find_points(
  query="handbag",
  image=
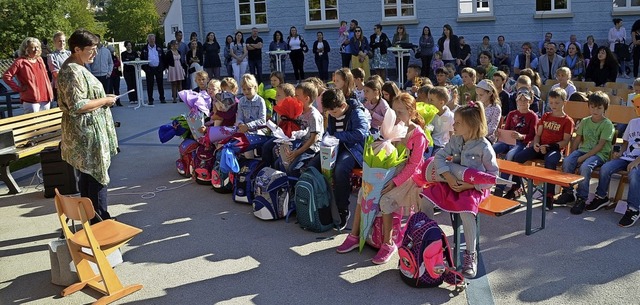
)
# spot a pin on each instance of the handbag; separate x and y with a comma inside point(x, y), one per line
point(304, 46)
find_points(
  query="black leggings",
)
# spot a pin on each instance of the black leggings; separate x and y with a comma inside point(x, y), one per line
point(636, 60)
point(426, 66)
point(297, 60)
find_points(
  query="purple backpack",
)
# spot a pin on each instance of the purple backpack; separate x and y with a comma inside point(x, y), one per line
point(203, 164)
point(425, 255)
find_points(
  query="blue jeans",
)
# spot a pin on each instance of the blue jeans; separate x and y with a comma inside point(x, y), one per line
point(614, 166)
point(510, 150)
point(345, 163)
point(255, 68)
point(570, 164)
point(551, 160)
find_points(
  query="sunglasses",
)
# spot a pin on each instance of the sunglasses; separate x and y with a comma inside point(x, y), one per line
point(358, 31)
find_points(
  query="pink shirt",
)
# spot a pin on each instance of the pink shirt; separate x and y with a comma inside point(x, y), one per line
point(416, 145)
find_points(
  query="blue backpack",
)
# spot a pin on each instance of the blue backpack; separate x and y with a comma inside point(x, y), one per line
point(221, 181)
point(315, 209)
point(243, 180)
point(271, 195)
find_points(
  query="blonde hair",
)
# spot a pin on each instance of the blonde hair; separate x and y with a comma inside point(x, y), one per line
point(320, 86)
point(308, 89)
point(288, 89)
point(564, 71)
point(214, 82)
point(441, 93)
point(470, 71)
point(524, 80)
point(349, 83)
point(202, 74)
point(249, 80)
point(472, 114)
point(22, 51)
point(230, 83)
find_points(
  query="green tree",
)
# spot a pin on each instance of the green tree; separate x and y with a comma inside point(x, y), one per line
point(131, 19)
point(41, 19)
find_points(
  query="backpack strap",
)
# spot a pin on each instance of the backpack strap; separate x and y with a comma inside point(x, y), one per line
point(451, 276)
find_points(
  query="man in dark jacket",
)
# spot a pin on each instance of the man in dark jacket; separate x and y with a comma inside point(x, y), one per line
point(154, 70)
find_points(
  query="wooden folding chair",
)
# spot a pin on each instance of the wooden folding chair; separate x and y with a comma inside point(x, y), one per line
point(98, 241)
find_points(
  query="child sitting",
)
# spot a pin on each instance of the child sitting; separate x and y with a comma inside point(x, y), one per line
point(454, 79)
point(553, 133)
point(488, 96)
point(525, 82)
point(375, 104)
point(389, 92)
point(467, 91)
point(442, 78)
point(358, 79)
point(563, 75)
point(413, 72)
point(498, 79)
point(224, 118)
point(202, 79)
point(590, 148)
point(252, 112)
point(628, 161)
point(343, 81)
point(443, 122)
point(509, 83)
point(347, 123)
point(311, 120)
point(403, 190)
point(481, 73)
point(522, 122)
point(456, 196)
point(283, 91)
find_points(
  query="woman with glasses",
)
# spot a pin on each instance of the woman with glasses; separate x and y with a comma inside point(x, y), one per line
point(360, 52)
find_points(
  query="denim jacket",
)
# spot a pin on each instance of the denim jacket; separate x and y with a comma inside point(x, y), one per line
point(477, 154)
point(355, 131)
point(252, 113)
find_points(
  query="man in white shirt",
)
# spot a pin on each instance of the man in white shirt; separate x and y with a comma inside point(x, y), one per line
point(154, 70)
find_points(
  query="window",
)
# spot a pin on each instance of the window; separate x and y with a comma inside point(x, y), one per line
point(626, 5)
point(174, 28)
point(394, 10)
point(554, 6)
point(475, 8)
point(322, 11)
point(251, 13)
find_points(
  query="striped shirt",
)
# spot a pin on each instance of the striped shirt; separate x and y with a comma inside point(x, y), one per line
point(341, 123)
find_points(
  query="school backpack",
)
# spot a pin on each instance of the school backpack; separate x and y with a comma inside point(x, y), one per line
point(243, 180)
point(425, 256)
point(316, 210)
point(184, 165)
point(203, 163)
point(221, 181)
point(271, 194)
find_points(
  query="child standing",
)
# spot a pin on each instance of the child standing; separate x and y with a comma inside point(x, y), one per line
point(522, 122)
point(358, 79)
point(311, 120)
point(252, 111)
point(443, 122)
point(590, 148)
point(437, 61)
point(404, 189)
point(488, 96)
point(553, 133)
point(347, 122)
point(375, 104)
point(468, 147)
point(629, 161)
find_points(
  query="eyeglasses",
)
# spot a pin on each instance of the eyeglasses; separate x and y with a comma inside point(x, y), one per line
point(358, 31)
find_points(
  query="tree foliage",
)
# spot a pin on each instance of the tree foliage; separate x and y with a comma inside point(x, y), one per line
point(41, 19)
point(131, 19)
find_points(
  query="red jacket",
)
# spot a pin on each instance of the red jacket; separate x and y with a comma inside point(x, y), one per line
point(34, 83)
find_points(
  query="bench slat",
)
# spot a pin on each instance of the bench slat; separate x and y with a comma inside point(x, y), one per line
point(44, 130)
point(22, 117)
point(34, 150)
point(497, 206)
point(27, 124)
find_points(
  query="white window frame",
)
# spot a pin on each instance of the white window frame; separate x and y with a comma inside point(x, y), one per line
point(323, 11)
point(399, 10)
point(252, 5)
point(553, 10)
point(475, 13)
point(626, 8)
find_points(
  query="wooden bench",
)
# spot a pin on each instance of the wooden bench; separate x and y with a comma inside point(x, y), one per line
point(27, 135)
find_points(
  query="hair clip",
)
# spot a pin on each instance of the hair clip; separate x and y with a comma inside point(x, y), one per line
point(472, 104)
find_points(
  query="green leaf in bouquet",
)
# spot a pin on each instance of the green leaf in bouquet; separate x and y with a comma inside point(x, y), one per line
point(427, 111)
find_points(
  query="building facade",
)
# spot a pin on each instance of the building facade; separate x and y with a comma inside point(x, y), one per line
point(517, 20)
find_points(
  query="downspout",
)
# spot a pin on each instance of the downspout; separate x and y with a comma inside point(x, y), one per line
point(200, 32)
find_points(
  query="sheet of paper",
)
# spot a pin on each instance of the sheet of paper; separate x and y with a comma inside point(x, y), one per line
point(505, 136)
point(121, 95)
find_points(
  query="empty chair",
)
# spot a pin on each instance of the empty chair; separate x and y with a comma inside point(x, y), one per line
point(98, 241)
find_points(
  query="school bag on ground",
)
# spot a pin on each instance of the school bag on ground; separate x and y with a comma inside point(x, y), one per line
point(315, 208)
point(184, 165)
point(425, 256)
point(243, 180)
point(271, 194)
point(220, 180)
point(203, 163)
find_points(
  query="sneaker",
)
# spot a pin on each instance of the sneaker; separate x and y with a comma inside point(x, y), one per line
point(350, 243)
point(384, 254)
point(498, 192)
point(470, 264)
point(629, 218)
point(514, 193)
point(344, 218)
point(597, 203)
point(566, 198)
point(578, 207)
